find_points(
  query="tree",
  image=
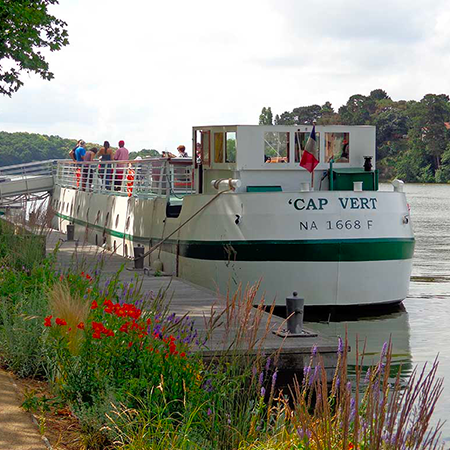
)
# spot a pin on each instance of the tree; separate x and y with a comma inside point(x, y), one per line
point(357, 110)
point(145, 153)
point(266, 116)
point(26, 27)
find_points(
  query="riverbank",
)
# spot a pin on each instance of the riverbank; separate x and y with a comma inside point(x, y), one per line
point(125, 368)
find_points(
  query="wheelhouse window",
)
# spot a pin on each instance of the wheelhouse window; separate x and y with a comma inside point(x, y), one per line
point(218, 147)
point(230, 154)
point(276, 147)
point(205, 147)
point(301, 138)
point(337, 147)
point(202, 144)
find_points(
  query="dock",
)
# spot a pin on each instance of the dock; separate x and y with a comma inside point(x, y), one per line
point(203, 306)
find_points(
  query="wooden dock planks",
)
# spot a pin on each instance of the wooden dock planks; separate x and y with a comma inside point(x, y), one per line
point(200, 304)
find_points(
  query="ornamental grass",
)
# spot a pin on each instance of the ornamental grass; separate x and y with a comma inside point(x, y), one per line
point(138, 377)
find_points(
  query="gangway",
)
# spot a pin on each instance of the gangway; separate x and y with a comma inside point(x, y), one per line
point(26, 179)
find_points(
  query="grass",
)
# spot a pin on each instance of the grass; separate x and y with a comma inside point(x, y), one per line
point(127, 369)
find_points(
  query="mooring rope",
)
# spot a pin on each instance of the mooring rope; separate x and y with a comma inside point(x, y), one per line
point(152, 249)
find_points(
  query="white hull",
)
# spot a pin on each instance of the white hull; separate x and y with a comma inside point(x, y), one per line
point(333, 248)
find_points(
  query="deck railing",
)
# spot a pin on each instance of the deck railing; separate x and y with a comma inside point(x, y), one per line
point(143, 178)
point(28, 170)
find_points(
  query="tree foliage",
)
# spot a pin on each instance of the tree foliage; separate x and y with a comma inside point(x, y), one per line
point(413, 137)
point(26, 28)
point(145, 153)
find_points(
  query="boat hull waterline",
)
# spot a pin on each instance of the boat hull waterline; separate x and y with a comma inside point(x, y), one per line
point(332, 247)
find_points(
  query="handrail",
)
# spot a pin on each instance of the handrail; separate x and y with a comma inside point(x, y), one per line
point(136, 178)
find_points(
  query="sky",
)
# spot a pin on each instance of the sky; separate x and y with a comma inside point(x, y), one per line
point(147, 71)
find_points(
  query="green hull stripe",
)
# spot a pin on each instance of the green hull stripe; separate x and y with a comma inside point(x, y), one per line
point(329, 250)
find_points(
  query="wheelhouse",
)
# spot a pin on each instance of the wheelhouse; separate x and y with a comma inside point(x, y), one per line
point(266, 158)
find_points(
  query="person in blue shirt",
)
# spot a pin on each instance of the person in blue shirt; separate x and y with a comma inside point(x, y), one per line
point(80, 151)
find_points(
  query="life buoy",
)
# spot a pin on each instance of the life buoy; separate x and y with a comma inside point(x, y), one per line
point(130, 181)
point(78, 176)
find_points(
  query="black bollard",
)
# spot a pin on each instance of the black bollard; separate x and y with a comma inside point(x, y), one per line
point(138, 257)
point(70, 232)
point(294, 312)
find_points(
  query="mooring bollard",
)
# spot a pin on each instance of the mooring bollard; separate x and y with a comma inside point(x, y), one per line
point(138, 257)
point(294, 312)
point(70, 232)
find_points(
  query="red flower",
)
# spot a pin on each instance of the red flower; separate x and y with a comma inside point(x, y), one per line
point(88, 277)
point(182, 354)
point(96, 335)
point(94, 305)
point(149, 321)
point(130, 344)
point(60, 322)
point(124, 327)
point(82, 274)
point(80, 326)
point(48, 321)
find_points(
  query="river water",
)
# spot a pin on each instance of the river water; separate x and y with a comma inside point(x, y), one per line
point(420, 329)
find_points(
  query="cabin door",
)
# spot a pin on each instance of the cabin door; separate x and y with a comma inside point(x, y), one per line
point(202, 147)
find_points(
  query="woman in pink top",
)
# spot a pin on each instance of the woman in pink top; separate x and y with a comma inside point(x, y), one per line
point(120, 155)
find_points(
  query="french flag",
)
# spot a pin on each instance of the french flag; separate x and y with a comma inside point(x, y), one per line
point(310, 157)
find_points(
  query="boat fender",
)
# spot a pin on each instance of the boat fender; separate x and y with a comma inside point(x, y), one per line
point(157, 265)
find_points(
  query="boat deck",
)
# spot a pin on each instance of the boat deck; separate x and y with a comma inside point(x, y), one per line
point(203, 305)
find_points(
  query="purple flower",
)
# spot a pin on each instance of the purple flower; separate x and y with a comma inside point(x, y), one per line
point(340, 346)
point(261, 378)
point(306, 371)
point(254, 371)
point(384, 350)
point(209, 412)
point(367, 377)
point(268, 363)
point(263, 392)
point(274, 378)
point(314, 351)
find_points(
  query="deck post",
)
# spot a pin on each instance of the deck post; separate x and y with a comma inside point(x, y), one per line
point(294, 313)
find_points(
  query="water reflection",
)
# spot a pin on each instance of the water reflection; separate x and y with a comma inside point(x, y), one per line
point(372, 332)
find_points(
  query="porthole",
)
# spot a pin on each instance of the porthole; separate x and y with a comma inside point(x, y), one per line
point(117, 220)
point(106, 220)
point(128, 223)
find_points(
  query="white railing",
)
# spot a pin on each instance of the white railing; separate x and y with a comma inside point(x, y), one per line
point(143, 178)
point(28, 170)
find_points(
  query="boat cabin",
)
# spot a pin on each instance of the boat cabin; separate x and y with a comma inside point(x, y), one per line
point(267, 158)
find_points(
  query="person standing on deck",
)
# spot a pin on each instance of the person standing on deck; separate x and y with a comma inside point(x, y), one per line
point(120, 155)
point(105, 172)
point(182, 152)
point(88, 171)
point(78, 155)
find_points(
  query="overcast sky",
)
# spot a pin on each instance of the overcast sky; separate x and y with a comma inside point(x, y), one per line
point(146, 71)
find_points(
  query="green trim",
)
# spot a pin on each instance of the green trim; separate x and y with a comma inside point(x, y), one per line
point(308, 250)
